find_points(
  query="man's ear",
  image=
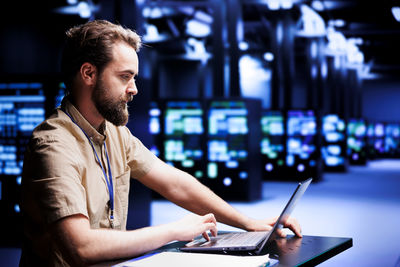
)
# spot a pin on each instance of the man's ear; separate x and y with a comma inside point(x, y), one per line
point(88, 73)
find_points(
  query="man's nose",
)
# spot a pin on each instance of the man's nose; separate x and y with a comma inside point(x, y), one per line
point(132, 89)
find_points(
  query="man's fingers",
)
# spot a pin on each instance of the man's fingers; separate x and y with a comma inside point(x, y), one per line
point(210, 224)
point(210, 218)
point(280, 232)
point(293, 225)
point(213, 229)
point(206, 236)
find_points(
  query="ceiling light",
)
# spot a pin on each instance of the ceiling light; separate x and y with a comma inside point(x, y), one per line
point(396, 13)
point(339, 23)
point(286, 4)
point(243, 46)
point(72, 2)
point(203, 16)
point(311, 23)
point(268, 56)
point(273, 4)
point(197, 29)
point(317, 5)
point(84, 10)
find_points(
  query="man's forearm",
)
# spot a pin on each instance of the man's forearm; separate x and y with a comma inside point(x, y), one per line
point(113, 244)
point(86, 246)
point(194, 196)
point(187, 192)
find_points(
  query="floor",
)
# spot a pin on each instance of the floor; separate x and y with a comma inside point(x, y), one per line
point(363, 203)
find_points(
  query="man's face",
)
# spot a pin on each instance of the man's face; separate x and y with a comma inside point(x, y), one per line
point(115, 86)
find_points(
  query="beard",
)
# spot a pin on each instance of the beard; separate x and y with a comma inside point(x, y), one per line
point(113, 110)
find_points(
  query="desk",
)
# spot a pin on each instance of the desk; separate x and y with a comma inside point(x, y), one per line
point(290, 251)
point(307, 251)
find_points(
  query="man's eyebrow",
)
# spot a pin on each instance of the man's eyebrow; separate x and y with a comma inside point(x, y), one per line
point(128, 71)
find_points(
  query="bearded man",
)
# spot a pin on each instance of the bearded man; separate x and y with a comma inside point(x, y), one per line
point(80, 160)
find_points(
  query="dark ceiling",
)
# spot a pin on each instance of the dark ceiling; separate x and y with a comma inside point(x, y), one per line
point(370, 20)
point(374, 23)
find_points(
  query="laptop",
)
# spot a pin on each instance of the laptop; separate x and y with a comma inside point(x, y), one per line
point(247, 242)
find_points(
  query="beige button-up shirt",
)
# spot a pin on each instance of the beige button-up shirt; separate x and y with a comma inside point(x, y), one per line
point(62, 177)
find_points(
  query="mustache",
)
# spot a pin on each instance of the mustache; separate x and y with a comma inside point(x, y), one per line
point(129, 98)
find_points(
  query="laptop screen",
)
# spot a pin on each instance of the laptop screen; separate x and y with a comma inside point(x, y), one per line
point(298, 193)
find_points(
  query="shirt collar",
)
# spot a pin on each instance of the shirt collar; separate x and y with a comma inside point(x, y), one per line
point(95, 136)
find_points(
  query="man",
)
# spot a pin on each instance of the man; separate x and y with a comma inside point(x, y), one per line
point(80, 160)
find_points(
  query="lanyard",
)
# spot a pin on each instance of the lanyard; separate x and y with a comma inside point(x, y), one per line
point(108, 178)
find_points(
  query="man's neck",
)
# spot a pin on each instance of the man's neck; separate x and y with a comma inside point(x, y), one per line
point(88, 111)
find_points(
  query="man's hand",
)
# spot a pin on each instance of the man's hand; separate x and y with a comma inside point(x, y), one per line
point(193, 225)
point(267, 224)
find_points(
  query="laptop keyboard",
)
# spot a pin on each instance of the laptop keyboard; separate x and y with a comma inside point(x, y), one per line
point(239, 239)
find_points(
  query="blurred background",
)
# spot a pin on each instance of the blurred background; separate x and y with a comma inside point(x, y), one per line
point(248, 96)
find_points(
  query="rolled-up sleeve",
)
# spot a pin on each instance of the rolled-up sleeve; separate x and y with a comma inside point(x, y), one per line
point(140, 159)
point(53, 181)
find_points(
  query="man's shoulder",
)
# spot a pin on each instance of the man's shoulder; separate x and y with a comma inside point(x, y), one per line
point(56, 126)
point(124, 135)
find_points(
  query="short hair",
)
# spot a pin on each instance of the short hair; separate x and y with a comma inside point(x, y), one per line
point(92, 42)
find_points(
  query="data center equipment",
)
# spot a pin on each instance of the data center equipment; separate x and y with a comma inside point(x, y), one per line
point(333, 148)
point(182, 145)
point(370, 141)
point(357, 141)
point(22, 108)
point(272, 144)
point(383, 140)
point(302, 146)
point(178, 130)
point(290, 145)
point(155, 118)
point(378, 139)
point(233, 139)
point(216, 141)
point(60, 94)
point(392, 140)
